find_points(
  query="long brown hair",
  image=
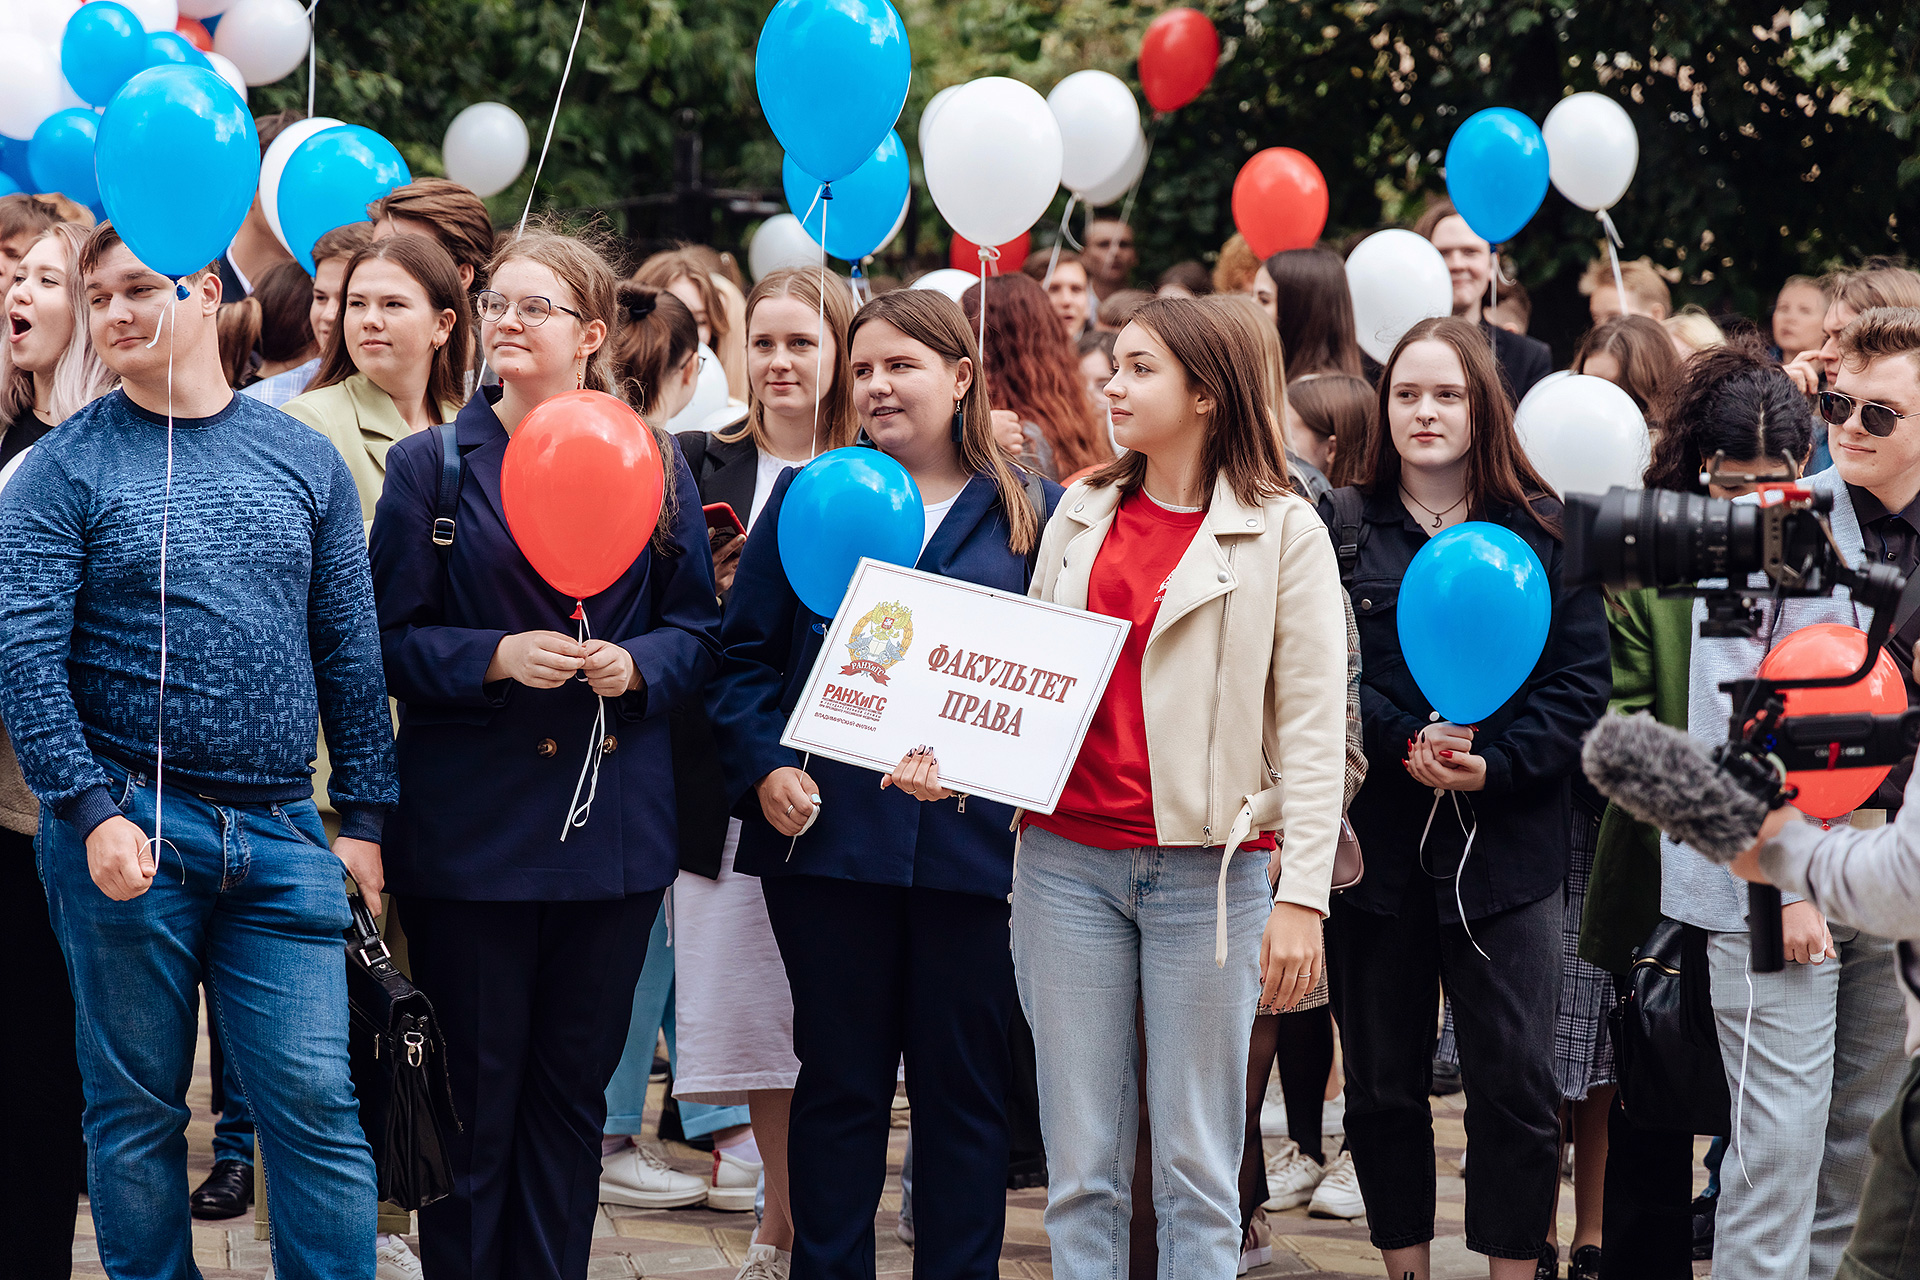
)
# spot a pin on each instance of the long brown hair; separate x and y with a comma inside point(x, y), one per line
point(77, 377)
point(829, 297)
point(1315, 312)
point(1031, 369)
point(1341, 408)
point(238, 325)
point(655, 337)
point(1221, 360)
point(1498, 471)
point(432, 269)
point(936, 320)
point(1642, 349)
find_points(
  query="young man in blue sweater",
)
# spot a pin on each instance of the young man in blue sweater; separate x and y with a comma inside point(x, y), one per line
point(267, 631)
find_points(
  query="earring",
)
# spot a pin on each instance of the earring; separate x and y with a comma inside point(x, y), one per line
point(959, 423)
point(580, 376)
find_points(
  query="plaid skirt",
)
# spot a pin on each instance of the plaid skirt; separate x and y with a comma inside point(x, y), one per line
point(1582, 1052)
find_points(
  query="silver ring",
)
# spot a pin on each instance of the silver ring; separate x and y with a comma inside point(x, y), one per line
point(789, 808)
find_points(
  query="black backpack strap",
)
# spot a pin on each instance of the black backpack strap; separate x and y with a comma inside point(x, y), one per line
point(446, 500)
point(1349, 507)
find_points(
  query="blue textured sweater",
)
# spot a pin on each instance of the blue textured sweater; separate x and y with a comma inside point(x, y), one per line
point(270, 618)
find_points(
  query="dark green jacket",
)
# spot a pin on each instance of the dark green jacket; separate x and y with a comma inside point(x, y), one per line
point(1652, 643)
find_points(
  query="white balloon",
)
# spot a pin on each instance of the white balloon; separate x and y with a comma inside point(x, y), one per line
point(231, 74)
point(486, 147)
point(33, 88)
point(155, 15)
point(993, 159)
point(709, 395)
point(274, 163)
point(266, 39)
point(1592, 149)
point(1583, 434)
point(1099, 121)
point(934, 104)
point(43, 20)
point(948, 280)
point(781, 242)
point(204, 8)
point(1397, 279)
point(1116, 187)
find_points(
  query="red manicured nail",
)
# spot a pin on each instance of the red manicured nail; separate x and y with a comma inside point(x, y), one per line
point(1447, 754)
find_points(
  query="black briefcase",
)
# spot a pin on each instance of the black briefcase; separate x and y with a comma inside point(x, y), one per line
point(399, 1064)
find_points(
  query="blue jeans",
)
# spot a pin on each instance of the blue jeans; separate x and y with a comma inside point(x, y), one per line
point(233, 1131)
point(250, 902)
point(1095, 933)
point(652, 1013)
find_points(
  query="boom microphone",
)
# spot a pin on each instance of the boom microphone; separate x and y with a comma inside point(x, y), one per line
point(1668, 778)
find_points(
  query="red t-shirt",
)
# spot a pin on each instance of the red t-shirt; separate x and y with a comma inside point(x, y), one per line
point(1108, 799)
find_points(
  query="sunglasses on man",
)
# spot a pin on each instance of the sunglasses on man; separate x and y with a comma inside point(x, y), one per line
point(1837, 408)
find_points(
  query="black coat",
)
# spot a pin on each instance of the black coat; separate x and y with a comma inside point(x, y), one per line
point(1531, 744)
point(1523, 361)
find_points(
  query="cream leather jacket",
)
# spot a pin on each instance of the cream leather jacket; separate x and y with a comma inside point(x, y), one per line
point(1244, 679)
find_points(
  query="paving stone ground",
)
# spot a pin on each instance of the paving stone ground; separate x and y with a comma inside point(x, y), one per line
point(698, 1244)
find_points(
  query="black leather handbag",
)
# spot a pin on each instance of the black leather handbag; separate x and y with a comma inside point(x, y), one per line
point(399, 1062)
point(1665, 1046)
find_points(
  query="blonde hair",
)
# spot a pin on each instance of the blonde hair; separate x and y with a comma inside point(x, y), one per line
point(1693, 326)
point(1642, 280)
point(78, 376)
point(825, 294)
point(1237, 265)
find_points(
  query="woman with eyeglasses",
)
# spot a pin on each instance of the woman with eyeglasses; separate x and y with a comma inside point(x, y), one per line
point(529, 900)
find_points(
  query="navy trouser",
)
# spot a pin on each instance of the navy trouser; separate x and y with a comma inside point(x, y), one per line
point(878, 971)
point(534, 999)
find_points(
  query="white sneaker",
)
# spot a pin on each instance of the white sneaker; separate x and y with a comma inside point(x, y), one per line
point(394, 1261)
point(1292, 1177)
point(637, 1176)
point(733, 1184)
point(1273, 1112)
point(764, 1262)
point(1333, 1116)
point(1338, 1195)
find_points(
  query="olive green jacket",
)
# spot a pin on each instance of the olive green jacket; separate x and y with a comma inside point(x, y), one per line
point(1652, 640)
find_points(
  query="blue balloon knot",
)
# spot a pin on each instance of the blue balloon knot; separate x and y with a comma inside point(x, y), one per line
point(826, 191)
point(180, 291)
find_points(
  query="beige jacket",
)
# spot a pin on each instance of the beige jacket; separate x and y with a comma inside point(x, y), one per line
point(1244, 679)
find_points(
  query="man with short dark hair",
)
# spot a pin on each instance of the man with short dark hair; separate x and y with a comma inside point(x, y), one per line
point(184, 598)
point(1109, 255)
point(442, 210)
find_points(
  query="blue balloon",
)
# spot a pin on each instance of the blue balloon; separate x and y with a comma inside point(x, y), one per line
point(329, 181)
point(845, 504)
point(1497, 172)
point(61, 154)
point(866, 203)
point(170, 46)
point(104, 47)
point(832, 76)
point(8, 186)
point(178, 161)
point(1474, 610)
point(14, 163)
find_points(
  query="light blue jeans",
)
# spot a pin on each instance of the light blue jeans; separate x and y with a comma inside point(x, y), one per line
point(653, 1013)
point(1095, 933)
point(249, 901)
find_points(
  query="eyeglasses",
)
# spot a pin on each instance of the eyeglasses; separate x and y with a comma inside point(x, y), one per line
point(1837, 408)
point(533, 310)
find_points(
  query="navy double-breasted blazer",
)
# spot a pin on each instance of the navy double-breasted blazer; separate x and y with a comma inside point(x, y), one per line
point(863, 833)
point(487, 770)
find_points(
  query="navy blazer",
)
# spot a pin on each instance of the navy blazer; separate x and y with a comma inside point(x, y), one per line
point(863, 833)
point(487, 771)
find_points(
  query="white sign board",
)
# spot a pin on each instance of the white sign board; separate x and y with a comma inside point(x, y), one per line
point(1000, 686)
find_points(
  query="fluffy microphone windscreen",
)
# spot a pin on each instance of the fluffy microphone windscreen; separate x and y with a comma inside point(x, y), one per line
point(1663, 776)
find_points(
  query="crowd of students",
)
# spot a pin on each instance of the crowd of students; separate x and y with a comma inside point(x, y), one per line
point(1241, 484)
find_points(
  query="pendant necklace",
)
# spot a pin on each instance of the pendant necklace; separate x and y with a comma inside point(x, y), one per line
point(1438, 516)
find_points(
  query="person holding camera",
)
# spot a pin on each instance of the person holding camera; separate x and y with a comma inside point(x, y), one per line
point(1812, 1052)
point(1486, 914)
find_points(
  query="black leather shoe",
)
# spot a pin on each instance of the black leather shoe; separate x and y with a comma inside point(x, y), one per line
point(1703, 1212)
point(1585, 1263)
point(1446, 1079)
point(1027, 1171)
point(1548, 1267)
point(227, 1192)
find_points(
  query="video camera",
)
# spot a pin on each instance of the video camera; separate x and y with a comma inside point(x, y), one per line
point(1634, 538)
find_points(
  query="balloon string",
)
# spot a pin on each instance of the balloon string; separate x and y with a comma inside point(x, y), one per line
point(1126, 210)
point(988, 253)
point(1493, 297)
point(1613, 256)
point(159, 841)
point(821, 198)
point(578, 812)
point(313, 55)
point(1060, 239)
point(553, 119)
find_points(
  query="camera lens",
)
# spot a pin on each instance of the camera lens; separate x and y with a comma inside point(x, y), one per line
point(1635, 538)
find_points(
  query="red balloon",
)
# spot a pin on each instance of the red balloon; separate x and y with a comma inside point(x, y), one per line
point(582, 486)
point(1830, 649)
point(1177, 58)
point(1279, 201)
point(964, 255)
point(196, 34)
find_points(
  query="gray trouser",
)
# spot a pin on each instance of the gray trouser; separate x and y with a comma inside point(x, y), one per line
point(1823, 1059)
